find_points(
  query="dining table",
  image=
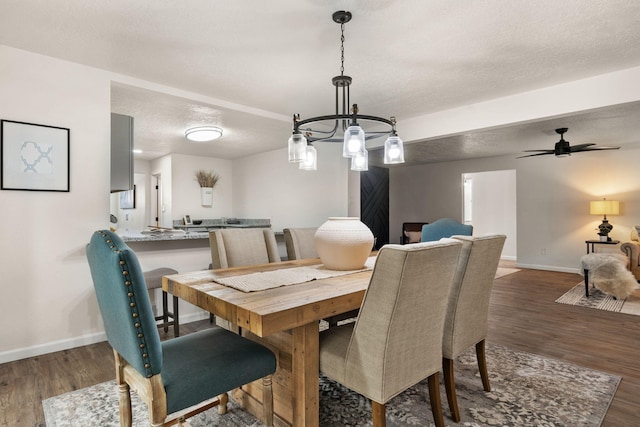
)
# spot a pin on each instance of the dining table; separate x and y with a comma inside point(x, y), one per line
point(286, 319)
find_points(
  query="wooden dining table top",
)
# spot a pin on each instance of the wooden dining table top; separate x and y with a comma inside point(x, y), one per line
point(268, 311)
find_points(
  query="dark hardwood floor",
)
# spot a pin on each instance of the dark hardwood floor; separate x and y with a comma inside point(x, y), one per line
point(523, 315)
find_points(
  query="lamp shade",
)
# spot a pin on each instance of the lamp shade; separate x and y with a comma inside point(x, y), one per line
point(393, 150)
point(354, 141)
point(604, 207)
point(360, 162)
point(310, 162)
point(297, 148)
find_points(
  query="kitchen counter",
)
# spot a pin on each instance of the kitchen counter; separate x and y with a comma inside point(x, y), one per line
point(218, 223)
point(171, 235)
point(181, 231)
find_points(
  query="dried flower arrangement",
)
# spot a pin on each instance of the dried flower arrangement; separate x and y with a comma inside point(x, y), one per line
point(207, 179)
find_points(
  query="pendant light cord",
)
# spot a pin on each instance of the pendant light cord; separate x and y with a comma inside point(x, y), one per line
point(342, 49)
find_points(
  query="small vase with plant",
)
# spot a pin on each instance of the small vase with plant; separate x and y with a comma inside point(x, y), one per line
point(207, 180)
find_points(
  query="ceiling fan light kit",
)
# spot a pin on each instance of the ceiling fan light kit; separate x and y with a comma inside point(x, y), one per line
point(563, 149)
point(354, 139)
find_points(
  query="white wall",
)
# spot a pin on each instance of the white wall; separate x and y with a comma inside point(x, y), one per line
point(47, 295)
point(266, 185)
point(186, 191)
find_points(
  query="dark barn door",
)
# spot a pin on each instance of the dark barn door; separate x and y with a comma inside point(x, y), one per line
point(374, 203)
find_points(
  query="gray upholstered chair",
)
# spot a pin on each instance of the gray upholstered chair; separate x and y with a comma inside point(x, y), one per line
point(173, 375)
point(397, 340)
point(444, 227)
point(468, 308)
point(237, 247)
point(300, 242)
point(153, 279)
point(245, 246)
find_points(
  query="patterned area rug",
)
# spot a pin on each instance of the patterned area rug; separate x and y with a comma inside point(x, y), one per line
point(527, 390)
point(600, 300)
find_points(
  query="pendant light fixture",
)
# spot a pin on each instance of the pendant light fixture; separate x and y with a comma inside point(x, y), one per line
point(348, 122)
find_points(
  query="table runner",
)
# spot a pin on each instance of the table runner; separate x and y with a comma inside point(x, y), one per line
point(291, 276)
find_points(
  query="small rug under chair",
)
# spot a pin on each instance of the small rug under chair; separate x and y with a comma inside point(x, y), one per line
point(601, 300)
point(527, 390)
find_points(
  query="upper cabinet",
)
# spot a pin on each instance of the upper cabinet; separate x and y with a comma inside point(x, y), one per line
point(121, 152)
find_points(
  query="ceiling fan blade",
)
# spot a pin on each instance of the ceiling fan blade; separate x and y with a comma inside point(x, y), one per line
point(580, 147)
point(538, 154)
point(596, 149)
point(541, 151)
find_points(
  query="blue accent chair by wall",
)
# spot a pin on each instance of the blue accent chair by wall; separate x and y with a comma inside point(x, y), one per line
point(444, 227)
point(182, 373)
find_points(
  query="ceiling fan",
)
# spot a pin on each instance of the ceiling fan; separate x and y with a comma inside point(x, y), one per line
point(563, 149)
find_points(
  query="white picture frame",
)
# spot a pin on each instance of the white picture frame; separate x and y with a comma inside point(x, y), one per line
point(34, 157)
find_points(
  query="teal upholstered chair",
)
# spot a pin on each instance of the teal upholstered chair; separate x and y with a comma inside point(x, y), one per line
point(173, 375)
point(444, 227)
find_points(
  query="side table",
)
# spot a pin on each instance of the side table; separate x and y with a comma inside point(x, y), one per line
point(599, 242)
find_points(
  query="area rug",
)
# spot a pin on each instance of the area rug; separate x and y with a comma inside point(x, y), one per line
point(527, 390)
point(601, 301)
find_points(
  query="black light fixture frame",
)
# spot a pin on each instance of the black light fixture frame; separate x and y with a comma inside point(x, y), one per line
point(342, 81)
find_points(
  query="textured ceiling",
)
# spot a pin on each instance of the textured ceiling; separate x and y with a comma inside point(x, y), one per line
point(254, 63)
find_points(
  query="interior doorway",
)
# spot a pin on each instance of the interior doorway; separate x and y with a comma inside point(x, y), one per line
point(490, 206)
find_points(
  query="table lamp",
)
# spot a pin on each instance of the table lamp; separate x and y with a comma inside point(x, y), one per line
point(605, 207)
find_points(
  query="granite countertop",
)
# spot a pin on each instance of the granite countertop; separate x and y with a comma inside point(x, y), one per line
point(217, 223)
point(163, 236)
point(180, 231)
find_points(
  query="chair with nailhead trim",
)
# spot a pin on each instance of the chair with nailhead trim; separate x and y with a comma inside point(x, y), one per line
point(179, 377)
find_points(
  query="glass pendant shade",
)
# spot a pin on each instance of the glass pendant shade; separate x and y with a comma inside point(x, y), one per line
point(310, 162)
point(393, 150)
point(353, 141)
point(297, 148)
point(360, 162)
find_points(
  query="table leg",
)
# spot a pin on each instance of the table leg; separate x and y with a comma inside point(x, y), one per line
point(305, 371)
point(586, 283)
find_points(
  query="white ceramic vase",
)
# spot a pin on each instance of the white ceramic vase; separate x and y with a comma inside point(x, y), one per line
point(343, 243)
point(206, 196)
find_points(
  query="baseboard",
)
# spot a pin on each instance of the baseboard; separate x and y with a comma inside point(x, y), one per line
point(549, 268)
point(60, 345)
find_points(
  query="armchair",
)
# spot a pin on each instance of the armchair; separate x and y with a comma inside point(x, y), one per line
point(300, 242)
point(632, 250)
point(239, 247)
point(468, 308)
point(444, 227)
point(179, 376)
point(411, 232)
point(397, 340)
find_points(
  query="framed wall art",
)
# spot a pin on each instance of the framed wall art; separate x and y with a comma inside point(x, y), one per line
point(34, 157)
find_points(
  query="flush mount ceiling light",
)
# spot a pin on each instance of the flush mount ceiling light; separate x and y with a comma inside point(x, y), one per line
point(353, 137)
point(203, 133)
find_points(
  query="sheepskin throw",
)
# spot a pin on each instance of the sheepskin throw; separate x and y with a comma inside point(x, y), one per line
point(614, 279)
